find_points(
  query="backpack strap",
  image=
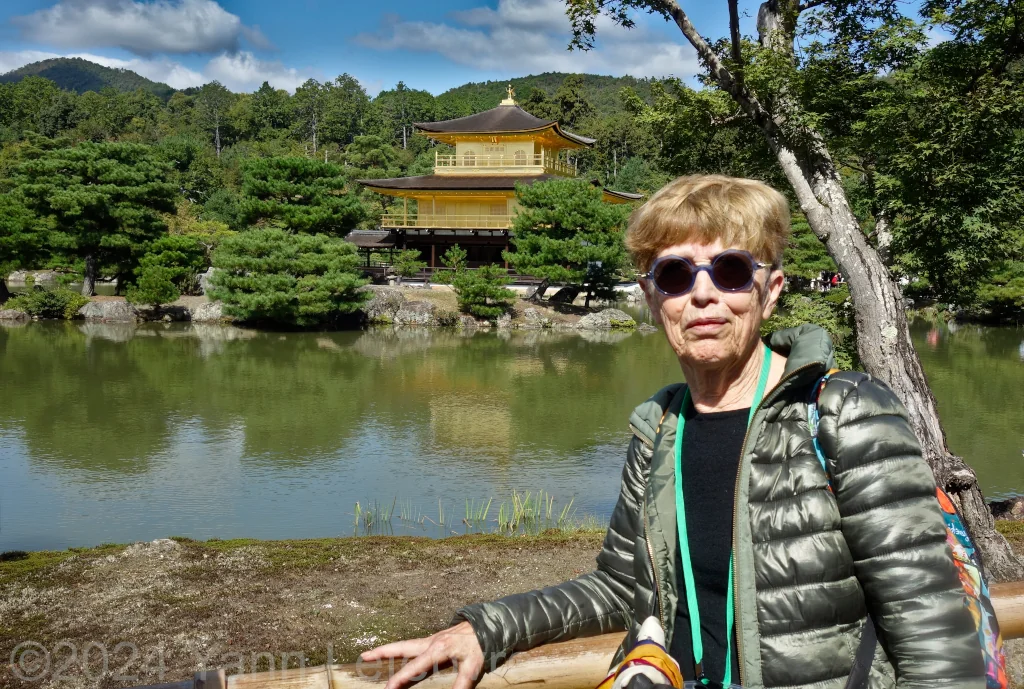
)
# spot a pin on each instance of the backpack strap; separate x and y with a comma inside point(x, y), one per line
point(861, 669)
point(814, 419)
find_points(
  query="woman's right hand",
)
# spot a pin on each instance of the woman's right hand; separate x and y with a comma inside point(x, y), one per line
point(456, 646)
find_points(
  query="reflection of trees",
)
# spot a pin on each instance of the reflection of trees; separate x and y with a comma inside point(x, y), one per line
point(978, 382)
point(90, 402)
point(296, 398)
point(81, 404)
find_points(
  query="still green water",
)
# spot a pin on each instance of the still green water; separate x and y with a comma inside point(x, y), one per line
point(112, 433)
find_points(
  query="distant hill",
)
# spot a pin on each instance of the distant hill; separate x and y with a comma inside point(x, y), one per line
point(602, 91)
point(76, 74)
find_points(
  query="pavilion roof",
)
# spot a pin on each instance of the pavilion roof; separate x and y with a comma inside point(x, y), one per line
point(372, 239)
point(504, 119)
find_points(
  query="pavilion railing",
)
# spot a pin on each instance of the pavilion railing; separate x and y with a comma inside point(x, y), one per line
point(475, 161)
point(443, 221)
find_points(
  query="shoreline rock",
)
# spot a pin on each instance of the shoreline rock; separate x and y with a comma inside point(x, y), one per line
point(14, 315)
point(109, 311)
point(607, 319)
point(1012, 509)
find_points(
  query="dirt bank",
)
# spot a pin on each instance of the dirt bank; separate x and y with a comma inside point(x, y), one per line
point(251, 603)
point(118, 616)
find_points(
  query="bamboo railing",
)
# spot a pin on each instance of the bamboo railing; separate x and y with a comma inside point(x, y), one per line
point(577, 664)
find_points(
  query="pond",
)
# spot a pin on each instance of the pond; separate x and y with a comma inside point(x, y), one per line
point(117, 433)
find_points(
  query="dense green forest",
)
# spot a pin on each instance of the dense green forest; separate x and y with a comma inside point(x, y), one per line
point(935, 148)
point(78, 75)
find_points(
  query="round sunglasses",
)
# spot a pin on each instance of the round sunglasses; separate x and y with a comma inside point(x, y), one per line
point(730, 271)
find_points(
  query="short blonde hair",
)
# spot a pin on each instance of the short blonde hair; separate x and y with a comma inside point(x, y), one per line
point(742, 213)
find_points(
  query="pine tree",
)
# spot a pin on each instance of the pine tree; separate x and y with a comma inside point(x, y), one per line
point(299, 194)
point(102, 201)
point(269, 275)
point(22, 240)
point(564, 233)
point(482, 292)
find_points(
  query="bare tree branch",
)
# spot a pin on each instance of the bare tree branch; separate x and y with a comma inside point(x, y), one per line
point(725, 78)
point(722, 121)
point(734, 38)
point(809, 5)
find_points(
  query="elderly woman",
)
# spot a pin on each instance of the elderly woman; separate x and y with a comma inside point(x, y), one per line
point(763, 568)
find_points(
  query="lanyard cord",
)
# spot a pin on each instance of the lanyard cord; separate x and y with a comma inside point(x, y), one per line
point(684, 541)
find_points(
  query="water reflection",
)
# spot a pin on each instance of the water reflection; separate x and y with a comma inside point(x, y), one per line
point(204, 430)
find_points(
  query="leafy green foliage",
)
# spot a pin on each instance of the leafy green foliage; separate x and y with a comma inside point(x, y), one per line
point(269, 275)
point(57, 303)
point(805, 256)
point(22, 239)
point(482, 292)
point(299, 194)
point(171, 262)
point(153, 285)
point(833, 311)
point(407, 263)
point(564, 232)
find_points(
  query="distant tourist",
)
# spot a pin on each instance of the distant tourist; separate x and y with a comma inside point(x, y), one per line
point(784, 595)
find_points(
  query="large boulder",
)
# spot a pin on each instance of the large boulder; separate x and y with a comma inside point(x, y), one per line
point(504, 321)
point(13, 315)
point(109, 311)
point(384, 305)
point(208, 312)
point(415, 313)
point(608, 319)
point(534, 320)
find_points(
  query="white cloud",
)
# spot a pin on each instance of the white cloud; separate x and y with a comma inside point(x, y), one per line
point(245, 72)
point(239, 72)
point(143, 28)
point(531, 36)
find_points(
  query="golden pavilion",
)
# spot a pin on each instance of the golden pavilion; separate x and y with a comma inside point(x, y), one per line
point(470, 199)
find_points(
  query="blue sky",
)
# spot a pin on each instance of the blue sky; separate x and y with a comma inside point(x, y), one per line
point(429, 45)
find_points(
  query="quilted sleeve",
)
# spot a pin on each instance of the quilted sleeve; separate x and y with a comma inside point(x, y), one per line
point(893, 526)
point(599, 602)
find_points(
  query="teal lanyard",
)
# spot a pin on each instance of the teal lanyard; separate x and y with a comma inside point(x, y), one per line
point(684, 541)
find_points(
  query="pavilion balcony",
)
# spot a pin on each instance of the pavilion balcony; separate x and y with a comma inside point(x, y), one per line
point(439, 221)
point(472, 164)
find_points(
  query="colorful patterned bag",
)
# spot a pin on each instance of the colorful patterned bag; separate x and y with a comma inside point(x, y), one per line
point(965, 556)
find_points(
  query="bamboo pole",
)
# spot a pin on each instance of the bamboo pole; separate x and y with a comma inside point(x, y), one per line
point(576, 664)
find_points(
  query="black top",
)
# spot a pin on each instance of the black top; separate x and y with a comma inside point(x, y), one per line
point(712, 444)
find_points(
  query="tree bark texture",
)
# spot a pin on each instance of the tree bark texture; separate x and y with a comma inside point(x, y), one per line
point(883, 333)
point(538, 294)
point(89, 276)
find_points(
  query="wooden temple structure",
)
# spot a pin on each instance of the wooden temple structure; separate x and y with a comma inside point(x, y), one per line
point(470, 199)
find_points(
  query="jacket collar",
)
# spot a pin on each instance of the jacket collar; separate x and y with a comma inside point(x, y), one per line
point(804, 345)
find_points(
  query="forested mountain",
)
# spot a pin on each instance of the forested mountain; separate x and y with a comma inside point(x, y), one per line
point(78, 75)
point(603, 92)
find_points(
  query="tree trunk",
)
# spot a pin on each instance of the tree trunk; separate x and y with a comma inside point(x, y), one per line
point(883, 334)
point(538, 294)
point(89, 276)
point(884, 343)
point(216, 137)
point(883, 237)
point(4, 293)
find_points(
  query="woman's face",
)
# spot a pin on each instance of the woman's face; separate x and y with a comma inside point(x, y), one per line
point(709, 328)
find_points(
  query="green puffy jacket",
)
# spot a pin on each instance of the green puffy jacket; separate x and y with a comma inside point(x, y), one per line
point(809, 563)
